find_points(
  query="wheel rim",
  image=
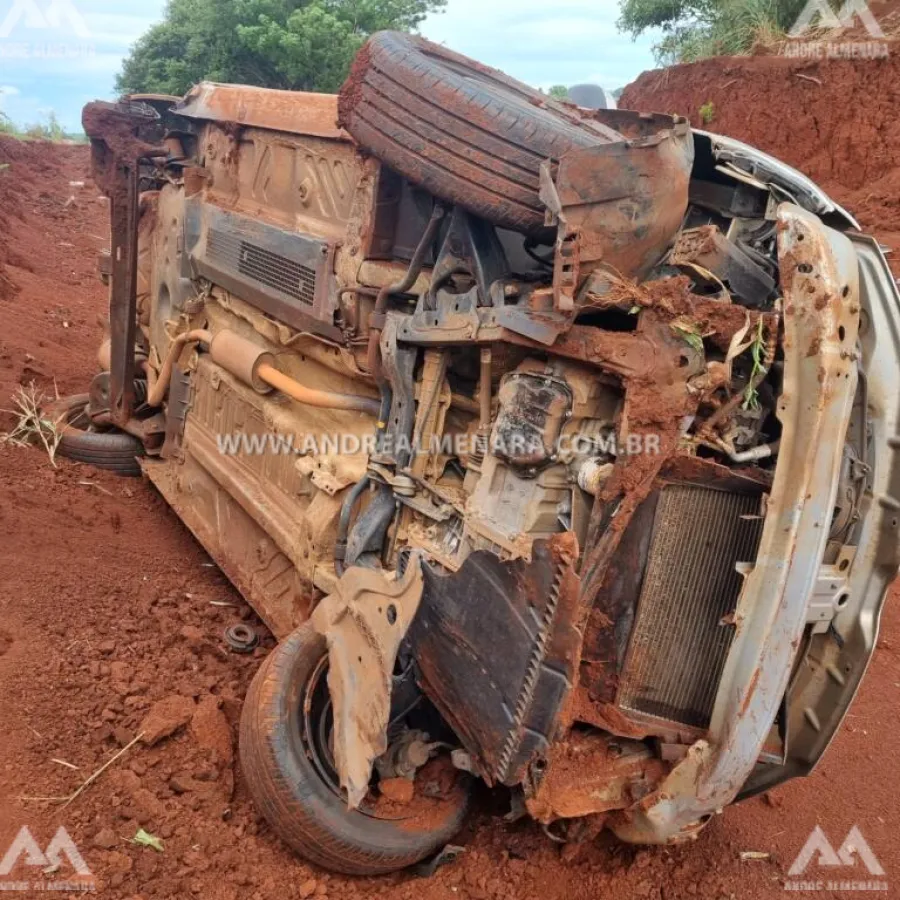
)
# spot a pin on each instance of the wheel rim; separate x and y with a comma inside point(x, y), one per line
point(316, 725)
point(78, 419)
point(315, 732)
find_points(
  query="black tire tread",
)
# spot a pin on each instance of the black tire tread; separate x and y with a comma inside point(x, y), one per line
point(300, 808)
point(114, 451)
point(389, 105)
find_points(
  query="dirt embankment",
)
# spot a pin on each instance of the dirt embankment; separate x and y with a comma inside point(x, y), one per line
point(834, 120)
point(109, 608)
point(52, 229)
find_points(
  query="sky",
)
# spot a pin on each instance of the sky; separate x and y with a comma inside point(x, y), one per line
point(56, 55)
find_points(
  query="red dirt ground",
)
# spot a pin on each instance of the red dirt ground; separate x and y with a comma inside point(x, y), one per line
point(105, 610)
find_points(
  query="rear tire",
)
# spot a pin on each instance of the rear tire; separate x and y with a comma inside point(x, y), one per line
point(279, 758)
point(114, 451)
point(463, 131)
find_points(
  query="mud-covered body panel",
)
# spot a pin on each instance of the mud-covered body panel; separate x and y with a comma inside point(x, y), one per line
point(631, 448)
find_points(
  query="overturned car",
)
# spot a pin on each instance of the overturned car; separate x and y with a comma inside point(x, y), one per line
point(558, 447)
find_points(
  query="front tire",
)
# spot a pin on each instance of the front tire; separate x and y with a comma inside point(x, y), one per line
point(292, 785)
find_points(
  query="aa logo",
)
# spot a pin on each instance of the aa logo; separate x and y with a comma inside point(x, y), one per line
point(24, 850)
point(820, 13)
point(57, 14)
point(854, 847)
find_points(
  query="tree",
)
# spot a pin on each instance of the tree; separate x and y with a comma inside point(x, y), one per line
point(559, 92)
point(301, 45)
point(694, 29)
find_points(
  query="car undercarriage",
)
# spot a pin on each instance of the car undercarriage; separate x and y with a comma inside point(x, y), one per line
point(557, 447)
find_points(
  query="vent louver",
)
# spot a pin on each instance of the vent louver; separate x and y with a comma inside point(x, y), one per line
point(263, 266)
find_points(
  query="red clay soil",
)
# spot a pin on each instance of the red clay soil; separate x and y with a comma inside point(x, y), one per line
point(108, 609)
point(834, 120)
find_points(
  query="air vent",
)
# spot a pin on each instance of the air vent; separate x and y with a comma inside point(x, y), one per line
point(285, 274)
point(263, 266)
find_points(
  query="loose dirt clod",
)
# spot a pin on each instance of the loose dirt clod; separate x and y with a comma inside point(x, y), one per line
point(105, 839)
point(166, 717)
point(397, 790)
point(211, 731)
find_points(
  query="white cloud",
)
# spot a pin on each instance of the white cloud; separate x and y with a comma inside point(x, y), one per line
point(49, 65)
point(118, 29)
point(541, 43)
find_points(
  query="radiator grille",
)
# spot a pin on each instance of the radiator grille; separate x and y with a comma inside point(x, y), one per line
point(679, 642)
point(263, 266)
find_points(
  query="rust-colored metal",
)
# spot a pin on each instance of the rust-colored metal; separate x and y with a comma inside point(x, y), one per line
point(195, 180)
point(270, 518)
point(519, 640)
point(116, 151)
point(507, 700)
point(485, 396)
point(364, 621)
point(653, 412)
point(701, 471)
point(708, 253)
point(820, 280)
point(311, 397)
point(604, 644)
point(302, 182)
point(621, 204)
point(376, 320)
point(213, 499)
point(655, 364)
point(590, 773)
point(241, 357)
point(434, 394)
point(115, 133)
point(254, 365)
point(630, 724)
point(615, 600)
point(293, 112)
point(620, 353)
point(159, 385)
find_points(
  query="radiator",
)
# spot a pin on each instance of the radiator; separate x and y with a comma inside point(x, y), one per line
point(682, 631)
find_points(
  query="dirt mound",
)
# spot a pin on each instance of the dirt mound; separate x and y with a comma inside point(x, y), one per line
point(834, 120)
point(23, 165)
point(53, 224)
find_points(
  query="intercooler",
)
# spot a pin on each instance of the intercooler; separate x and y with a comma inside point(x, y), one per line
point(683, 628)
point(282, 272)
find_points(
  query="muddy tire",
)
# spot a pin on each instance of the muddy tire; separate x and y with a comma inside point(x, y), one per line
point(463, 131)
point(281, 749)
point(112, 450)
